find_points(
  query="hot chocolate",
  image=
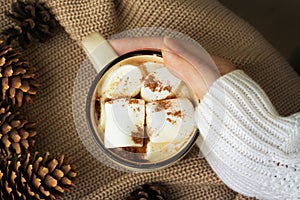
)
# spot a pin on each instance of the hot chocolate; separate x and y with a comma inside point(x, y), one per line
point(143, 112)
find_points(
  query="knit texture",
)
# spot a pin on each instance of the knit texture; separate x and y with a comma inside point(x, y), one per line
point(252, 149)
point(58, 60)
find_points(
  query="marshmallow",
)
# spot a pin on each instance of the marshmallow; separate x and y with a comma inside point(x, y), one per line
point(124, 124)
point(160, 84)
point(159, 151)
point(183, 91)
point(152, 66)
point(124, 81)
point(170, 120)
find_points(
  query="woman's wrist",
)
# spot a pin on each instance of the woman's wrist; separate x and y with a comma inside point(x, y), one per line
point(223, 67)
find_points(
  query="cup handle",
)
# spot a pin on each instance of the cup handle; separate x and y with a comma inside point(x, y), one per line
point(98, 50)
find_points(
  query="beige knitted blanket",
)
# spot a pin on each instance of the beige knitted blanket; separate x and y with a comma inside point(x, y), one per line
point(207, 21)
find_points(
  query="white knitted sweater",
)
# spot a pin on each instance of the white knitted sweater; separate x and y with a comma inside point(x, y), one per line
point(252, 149)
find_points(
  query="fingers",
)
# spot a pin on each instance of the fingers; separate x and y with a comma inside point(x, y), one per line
point(188, 61)
point(191, 63)
point(180, 68)
point(125, 45)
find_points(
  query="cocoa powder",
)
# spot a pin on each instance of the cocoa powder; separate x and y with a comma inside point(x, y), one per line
point(162, 105)
point(138, 136)
point(171, 121)
point(151, 83)
point(142, 149)
point(175, 114)
point(133, 101)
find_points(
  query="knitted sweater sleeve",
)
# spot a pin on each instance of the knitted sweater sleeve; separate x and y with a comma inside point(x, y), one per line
point(251, 148)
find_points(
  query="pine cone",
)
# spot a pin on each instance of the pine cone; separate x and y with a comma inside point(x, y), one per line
point(148, 192)
point(16, 75)
point(16, 133)
point(36, 177)
point(35, 23)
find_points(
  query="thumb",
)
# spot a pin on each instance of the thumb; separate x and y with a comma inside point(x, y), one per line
point(191, 63)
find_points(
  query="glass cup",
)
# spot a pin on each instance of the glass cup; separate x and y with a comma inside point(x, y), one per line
point(151, 153)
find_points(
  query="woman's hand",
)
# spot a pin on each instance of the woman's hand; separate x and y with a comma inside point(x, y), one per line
point(186, 60)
